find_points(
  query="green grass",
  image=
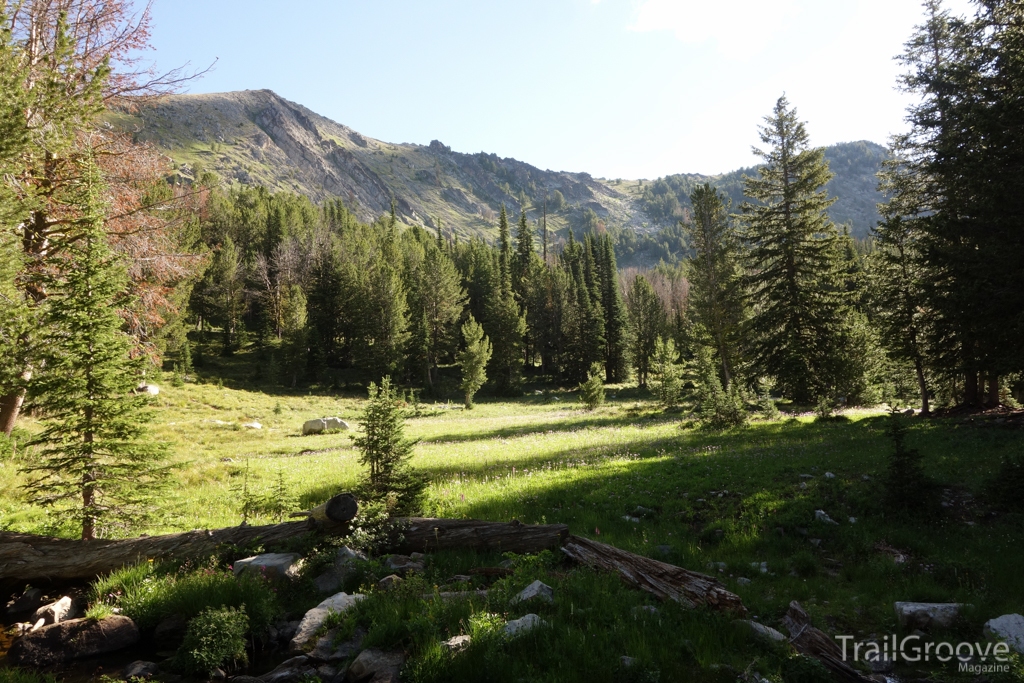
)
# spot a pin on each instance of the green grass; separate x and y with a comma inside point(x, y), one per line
point(713, 499)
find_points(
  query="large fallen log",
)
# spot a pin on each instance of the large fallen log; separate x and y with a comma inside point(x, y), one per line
point(426, 535)
point(665, 581)
point(813, 642)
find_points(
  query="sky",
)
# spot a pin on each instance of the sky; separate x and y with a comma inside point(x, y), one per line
point(616, 88)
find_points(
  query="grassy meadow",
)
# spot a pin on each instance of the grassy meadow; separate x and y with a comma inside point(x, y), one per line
point(633, 476)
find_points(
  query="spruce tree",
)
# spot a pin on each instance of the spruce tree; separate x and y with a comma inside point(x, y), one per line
point(796, 327)
point(666, 373)
point(716, 290)
point(442, 299)
point(506, 323)
point(96, 462)
point(616, 331)
point(473, 360)
point(647, 320)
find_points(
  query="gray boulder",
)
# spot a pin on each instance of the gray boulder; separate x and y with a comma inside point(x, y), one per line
point(456, 643)
point(73, 639)
point(323, 424)
point(925, 615)
point(400, 564)
point(28, 601)
point(54, 613)
point(375, 666)
point(140, 669)
point(290, 671)
point(1009, 627)
point(315, 617)
point(327, 650)
point(271, 565)
point(389, 582)
point(522, 625)
point(537, 590)
point(332, 579)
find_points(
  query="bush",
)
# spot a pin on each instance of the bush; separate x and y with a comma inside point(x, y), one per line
point(719, 408)
point(15, 675)
point(907, 487)
point(214, 638)
point(592, 391)
point(1004, 490)
point(149, 596)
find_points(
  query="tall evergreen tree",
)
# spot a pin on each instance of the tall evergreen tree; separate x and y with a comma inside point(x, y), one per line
point(716, 288)
point(506, 323)
point(473, 360)
point(616, 331)
point(441, 299)
point(647, 320)
point(385, 307)
point(796, 327)
point(96, 462)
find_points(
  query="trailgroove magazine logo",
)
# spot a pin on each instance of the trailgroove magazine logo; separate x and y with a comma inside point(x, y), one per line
point(973, 657)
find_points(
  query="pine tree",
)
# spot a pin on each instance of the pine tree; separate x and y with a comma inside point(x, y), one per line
point(796, 328)
point(592, 389)
point(442, 299)
point(506, 323)
point(647, 320)
point(385, 307)
point(386, 452)
point(665, 372)
point(716, 290)
point(473, 360)
point(96, 462)
point(616, 350)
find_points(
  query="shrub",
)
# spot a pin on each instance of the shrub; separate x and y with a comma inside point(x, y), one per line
point(214, 638)
point(719, 408)
point(666, 374)
point(16, 675)
point(1003, 491)
point(907, 487)
point(592, 391)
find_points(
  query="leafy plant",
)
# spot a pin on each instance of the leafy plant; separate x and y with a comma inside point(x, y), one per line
point(214, 638)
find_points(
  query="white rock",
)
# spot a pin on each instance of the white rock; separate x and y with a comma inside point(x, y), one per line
point(457, 643)
point(743, 581)
point(1009, 627)
point(536, 590)
point(821, 516)
point(853, 520)
point(760, 566)
point(626, 662)
point(151, 389)
point(315, 617)
point(630, 518)
point(803, 484)
point(323, 424)
point(829, 475)
point(271, 565)
point(923, 615)
point(252, 425)
point(54, 613)
point(522, 625)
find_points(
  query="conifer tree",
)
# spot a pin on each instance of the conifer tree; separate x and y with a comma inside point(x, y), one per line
point(386, 452)
point(666, 373)
point(796, 328)
point(96, 462)
point(616, 336)
point(506, 323)
point(385, 307)
point(716, 288)
point(473, 360)
point(442, 300)
point(647, 320)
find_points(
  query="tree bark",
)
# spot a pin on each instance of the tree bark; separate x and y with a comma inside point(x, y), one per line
point(427, 535)
point(993, 390)
point(814, 643)
point(922, 385)
point(971, 389)
point(665, 581)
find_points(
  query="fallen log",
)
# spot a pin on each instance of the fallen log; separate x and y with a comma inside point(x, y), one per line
point(340, 508)
point(812, 642)
point(663, 580)
point(427, 535)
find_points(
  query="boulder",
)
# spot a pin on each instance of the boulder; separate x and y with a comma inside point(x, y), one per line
point(315, 617)
point(375, 666)
point(822, 516)
point(401, 564)
point(28, 601)
point(924, 615)
point(1009, 627)
point(328, 582)
point(290, 671)
point(522, 625)
point(323, 424)
point(327, 650)
point(252, 425)
point(54, 613)
point(151, 389)
point(332, 579)
point(537, 590)
point(140, 669)
point(271, 565)
point(456, 643)
point(73, 639)
point(389, 582)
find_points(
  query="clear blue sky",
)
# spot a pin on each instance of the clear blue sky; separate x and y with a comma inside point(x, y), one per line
point(617, 88)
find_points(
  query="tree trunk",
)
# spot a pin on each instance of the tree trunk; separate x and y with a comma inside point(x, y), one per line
point(993, 391)
point(427, 535)
point(971, 389)
point(10, 407)
point(662, 580)
point(922, 385)
point(814, 643)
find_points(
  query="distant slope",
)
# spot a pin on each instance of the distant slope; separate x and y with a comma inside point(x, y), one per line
point(256, 137)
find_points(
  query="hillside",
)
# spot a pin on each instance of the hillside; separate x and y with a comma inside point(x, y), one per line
point(257, 137)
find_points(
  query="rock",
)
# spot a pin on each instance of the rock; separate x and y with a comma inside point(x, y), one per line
point(314, 618)
point(140, 669)
point(389, 582)
point(630, 518)
point(328, 582)
point(234, 679)
point(271, 565)
point(879, 662)
point(641, 511)
point(522, 625)
point(664, 550)
point(375, 666)
point(803, 485)
point(537, 590)
point(829, 475)
point(346, 557)
point(822, 516)
point(218, 674)
point(54, 613)
point(761, 631)
point(326, 672)
point(461, 578)
point(865, 477)
point(171, 631)
point(332, 579)
point(760, 566)
point(290, 671)
point(743, 581)
point(816, 542)
point(400, 564)
point(645, 611)
point(73, 639)
point(28, 601)
point(1009, 627)
point(151, 389)
point(807, 476)
point(853, 520)
point(627, 662)
point(252, 425)
point(323, 424)
point(326, 650)
point(924, 615)
point(456, 643)
point(286, 630)
point(720, 566)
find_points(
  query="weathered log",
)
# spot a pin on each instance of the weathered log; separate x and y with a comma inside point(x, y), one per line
point(815, 643)
point(663, 580)
point(426, 535)
point(340, 508)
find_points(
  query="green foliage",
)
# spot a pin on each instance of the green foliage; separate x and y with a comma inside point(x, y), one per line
point(386, 451)
point(668, 384)
point(647, 320)
point(801, 669)
point(907, 487)
point(214, 638)
point(96, 462)
point(473, 360)
point(14, 674)
point(373, 530)
point(149, 594)
point(719, 408)
point(592, 391)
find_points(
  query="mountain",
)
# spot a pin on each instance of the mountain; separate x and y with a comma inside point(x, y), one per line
point(256, 137)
